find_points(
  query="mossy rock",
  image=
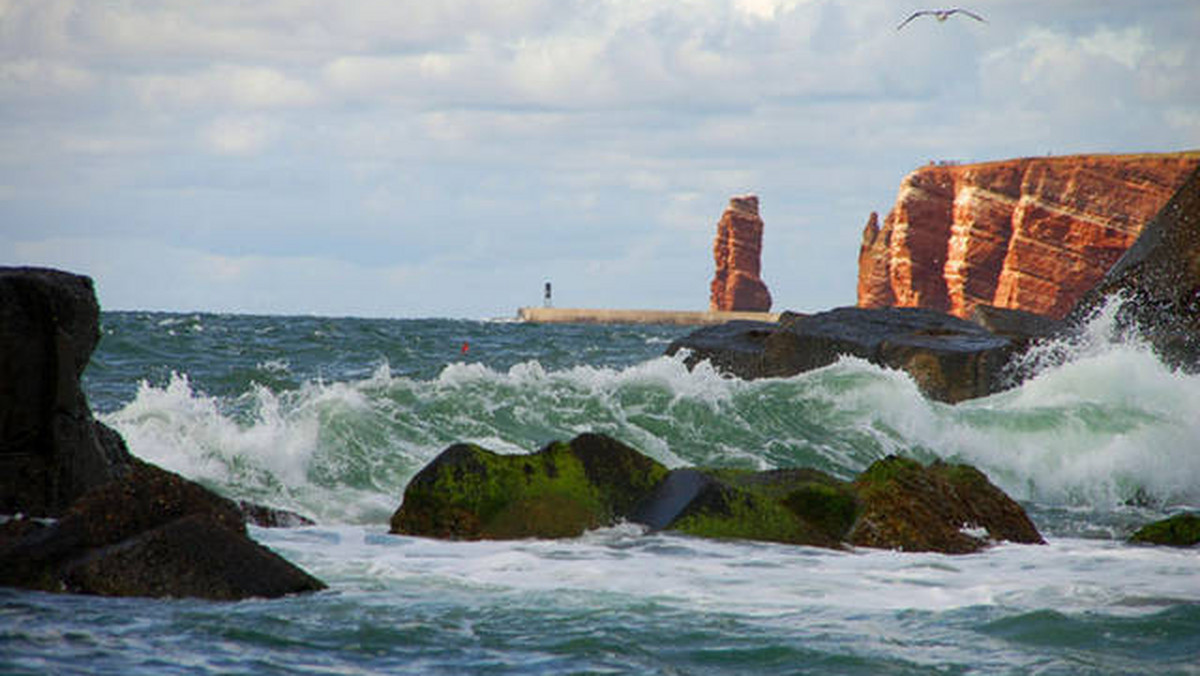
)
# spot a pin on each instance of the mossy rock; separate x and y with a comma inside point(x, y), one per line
point(471, 493)
point(946, 508)
point(794, 506)
point(1181, 530)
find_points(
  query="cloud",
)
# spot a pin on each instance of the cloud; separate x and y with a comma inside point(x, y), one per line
point(469, 147)
point(239, 135)
point(224, 86)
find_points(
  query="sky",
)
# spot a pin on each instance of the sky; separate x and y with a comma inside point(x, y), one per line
point(418, 158)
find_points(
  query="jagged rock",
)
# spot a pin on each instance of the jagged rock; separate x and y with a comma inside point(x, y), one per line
point(271, 517)
point(946, 508)
point(470, 493)
point(1181, 530)
point(51, 449)
point(1158, 279)
point(951, 359)
point(1029, 234)
point(126, 527)
point(737, 251)
point(148, 533)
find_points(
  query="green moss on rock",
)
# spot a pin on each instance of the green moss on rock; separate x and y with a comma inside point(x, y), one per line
point(945, 508)
point(1181, 530)
point(469, 492)
point(795, 506)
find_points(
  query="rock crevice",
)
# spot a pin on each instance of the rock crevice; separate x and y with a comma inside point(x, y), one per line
point(1031, 234)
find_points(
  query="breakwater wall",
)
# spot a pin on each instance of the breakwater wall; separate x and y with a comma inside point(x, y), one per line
point(554, 315)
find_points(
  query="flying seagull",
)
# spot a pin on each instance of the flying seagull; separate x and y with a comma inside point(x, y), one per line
point(940, 15)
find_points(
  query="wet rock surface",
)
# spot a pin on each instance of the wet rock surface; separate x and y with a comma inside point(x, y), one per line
point(470, 493)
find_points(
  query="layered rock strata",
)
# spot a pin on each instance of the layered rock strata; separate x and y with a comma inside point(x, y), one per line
point(1157, 282)
point(737, 250)
point(1029, 234)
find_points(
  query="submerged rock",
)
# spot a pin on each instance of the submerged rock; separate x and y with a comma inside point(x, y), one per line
point(470, 493)
point(271, 517)
point(1181, 530)
point(149, 533)
point(950, 359)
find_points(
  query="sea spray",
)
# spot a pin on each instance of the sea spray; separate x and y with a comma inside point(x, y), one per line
point(333, 416)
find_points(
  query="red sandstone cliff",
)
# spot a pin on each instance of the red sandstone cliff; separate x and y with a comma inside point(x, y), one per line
point(736, 286)
point(1030, 234)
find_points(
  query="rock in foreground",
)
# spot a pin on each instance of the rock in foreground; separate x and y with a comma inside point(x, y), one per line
point(51, 449)
point(1181, 530)
point(149, 533)
point(126, 528)
point(470, 493)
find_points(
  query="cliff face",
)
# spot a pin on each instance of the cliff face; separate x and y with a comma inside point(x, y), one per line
point(1029, 234)
point(736, 286)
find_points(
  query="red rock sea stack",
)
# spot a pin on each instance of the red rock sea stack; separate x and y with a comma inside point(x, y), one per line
point(736, 286)
point(1029, 234)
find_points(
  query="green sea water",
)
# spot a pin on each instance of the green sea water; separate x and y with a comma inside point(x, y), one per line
point(331, 417)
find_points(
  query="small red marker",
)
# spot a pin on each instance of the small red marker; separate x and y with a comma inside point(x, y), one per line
point(466, 347)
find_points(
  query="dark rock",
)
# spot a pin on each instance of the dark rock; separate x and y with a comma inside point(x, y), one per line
point(126, 527)
point(51, 449)
point(1181, 530)
point(950, 359)
point(943, 508)
point(193, 556)
point(271, 517)
point(733, 347)
point(1158, 280)
point(149, 533)
point(793, 506)
point(1019, 326)
point(468, 492)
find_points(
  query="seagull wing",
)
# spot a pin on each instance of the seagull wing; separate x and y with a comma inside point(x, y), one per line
point(914, 15)
point(973, 15)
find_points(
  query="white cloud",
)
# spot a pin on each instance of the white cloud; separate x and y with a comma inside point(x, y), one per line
point(239, 135)
point(476, 141)
point(227, 86)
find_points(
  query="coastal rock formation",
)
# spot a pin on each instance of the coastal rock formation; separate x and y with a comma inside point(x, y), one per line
point(737, 250)
point(950, 359)
point(148, 533)
point(470, 493)
point(943, 508)
point(125, 527)
point(51, 448)
point(1029, 234)
point(1181, 530)
point(1158, 281)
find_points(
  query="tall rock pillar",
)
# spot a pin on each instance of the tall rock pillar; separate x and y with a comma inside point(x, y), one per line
point(736, 285)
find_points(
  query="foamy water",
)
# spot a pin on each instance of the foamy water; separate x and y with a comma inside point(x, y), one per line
point(332, 418)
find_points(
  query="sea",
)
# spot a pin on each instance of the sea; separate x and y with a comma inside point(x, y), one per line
point(331, 417)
